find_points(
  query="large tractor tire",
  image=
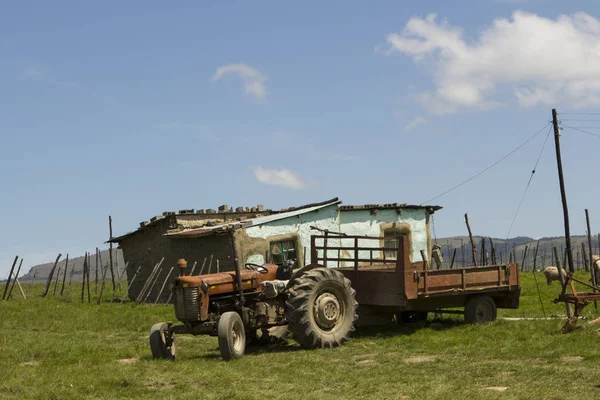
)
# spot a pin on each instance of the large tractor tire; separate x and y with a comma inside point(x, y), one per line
point(162, 342)
point(480, 310)
point(321, 308)
point(232, 336)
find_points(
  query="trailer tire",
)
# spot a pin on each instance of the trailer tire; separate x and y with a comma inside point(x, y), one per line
point(162, 343)
point(480, 310)
point(321, 308)
point(232, 336)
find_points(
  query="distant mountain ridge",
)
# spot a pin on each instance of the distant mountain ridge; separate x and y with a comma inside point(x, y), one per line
point(42, 271)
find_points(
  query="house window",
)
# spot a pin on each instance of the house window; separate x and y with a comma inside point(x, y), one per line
point(391, 243)
point(282, 251)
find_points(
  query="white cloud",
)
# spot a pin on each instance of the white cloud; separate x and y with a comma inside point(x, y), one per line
point(415, 123)
point(540, 59)
point(254, 81)
point(279, 177)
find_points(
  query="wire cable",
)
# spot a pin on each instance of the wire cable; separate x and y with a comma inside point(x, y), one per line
point(581, 130)
point(488, 168)
point(528, 184)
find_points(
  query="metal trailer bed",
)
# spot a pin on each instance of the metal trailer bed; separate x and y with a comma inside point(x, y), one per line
point(390, 284)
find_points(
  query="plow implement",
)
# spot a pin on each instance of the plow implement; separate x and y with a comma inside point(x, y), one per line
point(578, 299)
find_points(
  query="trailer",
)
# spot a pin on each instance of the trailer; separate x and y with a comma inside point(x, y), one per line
point(393, 285)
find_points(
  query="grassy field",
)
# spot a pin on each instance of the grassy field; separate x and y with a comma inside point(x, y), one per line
point(60, 349)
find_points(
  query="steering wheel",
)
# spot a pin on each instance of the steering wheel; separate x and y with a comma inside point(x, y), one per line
point(256, 267)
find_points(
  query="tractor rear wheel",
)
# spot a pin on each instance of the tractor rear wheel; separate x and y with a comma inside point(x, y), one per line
point(480, 310)
point(321, 308)
point(162, 342)
point(232, 336)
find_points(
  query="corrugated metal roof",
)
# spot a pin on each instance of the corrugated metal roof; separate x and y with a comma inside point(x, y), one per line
point(390, 206)
point(250, 222)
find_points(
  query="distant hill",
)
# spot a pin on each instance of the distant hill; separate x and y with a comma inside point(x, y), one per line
point(41, 271)
point(516, 246)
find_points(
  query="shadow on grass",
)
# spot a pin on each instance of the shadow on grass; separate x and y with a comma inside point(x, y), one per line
point(394, 329)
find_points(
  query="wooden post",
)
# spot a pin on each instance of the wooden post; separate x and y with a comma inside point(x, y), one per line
point(130, 283)
point(462, 253)
point(592, 263)
point(524, 258)
point(21, 289)
point(83, 281)
point(535, 279)
point(561, 279)
point(473, 247)
point(149, 281)
point(453, 257)
point(163, 285)
point(45, 292)
point(210, 264)
point(33, 276)
point(62, 289)
point(425, 263)
point(14, 280)
point(585, 259)
point(110, 254)
point(482, 252)
point(71, 280)
point(89, 269)
point(96, 278)
point(56, 280)
point(153, 284)
point(103, 281)
point(9, 276)
point(563, 193)
point(494, 261)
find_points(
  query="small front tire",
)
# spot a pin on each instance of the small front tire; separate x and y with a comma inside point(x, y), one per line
point(232, 336)
point(162, 342)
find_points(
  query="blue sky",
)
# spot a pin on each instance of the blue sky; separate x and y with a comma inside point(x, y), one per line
point(134, 108)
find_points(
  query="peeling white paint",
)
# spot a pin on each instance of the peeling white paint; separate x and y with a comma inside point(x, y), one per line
point(363, 223)
point(349, 222)
point(324, 218)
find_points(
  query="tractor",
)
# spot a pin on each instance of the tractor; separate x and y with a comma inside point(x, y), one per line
point(315, 304)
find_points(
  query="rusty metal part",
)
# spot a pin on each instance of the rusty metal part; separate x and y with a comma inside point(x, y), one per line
point(579, 300)
point(182, 265)
point(204, 286)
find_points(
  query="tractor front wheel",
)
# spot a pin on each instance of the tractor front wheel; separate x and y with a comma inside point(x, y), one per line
point(162, 341)
point(232, 336)
point(321, 308)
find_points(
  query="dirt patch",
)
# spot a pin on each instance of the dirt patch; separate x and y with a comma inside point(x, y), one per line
point(128, 360)
point(31, 363)
point(366, 362)
point(420, 359)
point(159, 385)
point(361, 356)
point(497, 388)
point(572, 358)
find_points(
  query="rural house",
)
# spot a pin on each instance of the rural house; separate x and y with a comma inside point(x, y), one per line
point(261, 235)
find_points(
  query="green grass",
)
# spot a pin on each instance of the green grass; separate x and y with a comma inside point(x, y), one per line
point(62, 349)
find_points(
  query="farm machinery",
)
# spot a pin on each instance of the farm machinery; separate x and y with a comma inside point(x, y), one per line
point(318, 303)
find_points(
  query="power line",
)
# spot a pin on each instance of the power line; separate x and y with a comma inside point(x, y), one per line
point(488, 168)
point(528, 184)
point(582, 130)
point(579, 113)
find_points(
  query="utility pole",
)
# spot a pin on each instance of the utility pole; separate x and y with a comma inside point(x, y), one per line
point(563, 194)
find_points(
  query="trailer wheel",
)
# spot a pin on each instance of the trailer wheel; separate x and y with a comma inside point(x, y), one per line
point(162, 342)
point(409, 317)
point(321, 308)
point(480, 310)
point(232, 336)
